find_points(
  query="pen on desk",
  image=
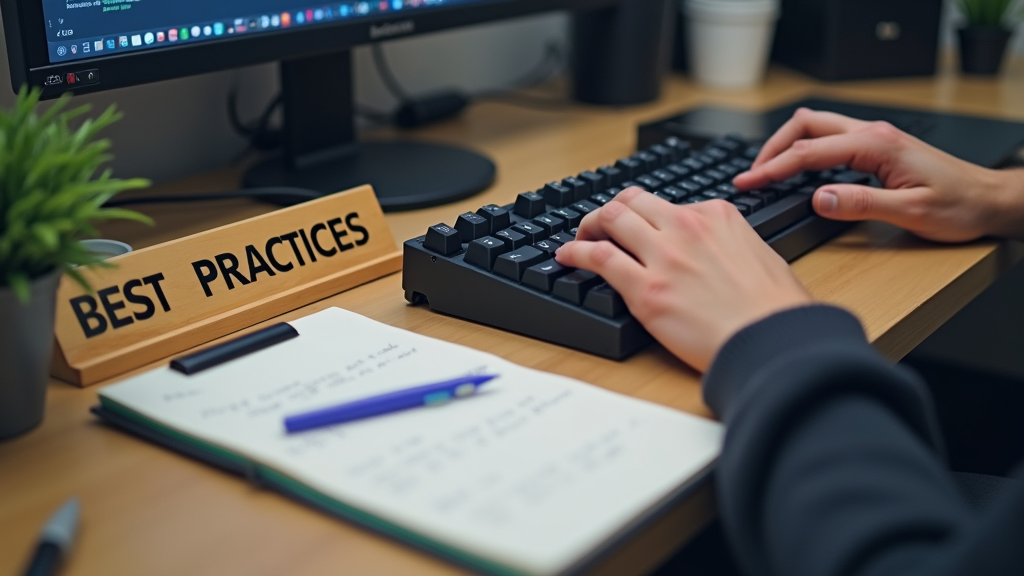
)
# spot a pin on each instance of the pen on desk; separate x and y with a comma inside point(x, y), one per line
point(55, 541)
point(426, 395)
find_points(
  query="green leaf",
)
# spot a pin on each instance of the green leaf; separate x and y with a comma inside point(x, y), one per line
point(53, 187)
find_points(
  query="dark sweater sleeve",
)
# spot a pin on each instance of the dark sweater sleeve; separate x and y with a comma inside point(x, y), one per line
point(832, 461)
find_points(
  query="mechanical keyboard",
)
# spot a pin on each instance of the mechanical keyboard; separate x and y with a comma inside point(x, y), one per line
point(496, 265)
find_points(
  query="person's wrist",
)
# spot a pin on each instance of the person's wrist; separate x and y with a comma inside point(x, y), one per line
point(1004, 216)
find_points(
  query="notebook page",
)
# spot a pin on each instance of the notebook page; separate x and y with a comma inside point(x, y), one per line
point(534, 472)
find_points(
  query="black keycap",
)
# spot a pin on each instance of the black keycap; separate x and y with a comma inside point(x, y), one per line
point(650, 161)
point(680, 148)
point(679, 170)
point(716, 153)
point(513, 240)
point(690, 186)
point(705, 159)
point(786, 212)
point(743, 208)
point(727, 188)
point(696, 199)
point(472, 226)
point(742, 163)
point(731, 143)
point(751, 152)
point(600, 199)
point(612, 192)
point(715, 175)
point(693, 164)
point(557, 195)
point(851, 177)
point(596, 181)
point(443, 239)
point(716, 195)
point(780, 189)
point(665, 176)
point(513, 264)
point(649, 182)
point(548, 247)
point(571, 217)
point(550, 224)
point(484, 251)
point(530, 204)
point(605, 301)
point(580, 189)
point(542, 276)
point(573, 231)
point(753, 204)
point(584, 207)
point(767, 196)
point(631, 184)
point(729, 170)
point(664, 154)
point(673, 194)
point(563, 237)
point(574, 287)
point(631, 168)
point(499, 217)
point(532, 232)
point(704, 181)
point(612, 175)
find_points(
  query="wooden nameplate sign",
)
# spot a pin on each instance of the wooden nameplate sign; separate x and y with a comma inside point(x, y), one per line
point(162, 300)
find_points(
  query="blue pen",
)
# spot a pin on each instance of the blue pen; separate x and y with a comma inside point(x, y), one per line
point(427, 395)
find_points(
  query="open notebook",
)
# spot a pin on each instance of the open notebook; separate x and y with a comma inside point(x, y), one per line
point(537, 474)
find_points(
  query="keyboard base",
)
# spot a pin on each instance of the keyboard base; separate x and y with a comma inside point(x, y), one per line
point(453, 287)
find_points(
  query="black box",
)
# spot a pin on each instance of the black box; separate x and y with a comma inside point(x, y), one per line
point(855, 39)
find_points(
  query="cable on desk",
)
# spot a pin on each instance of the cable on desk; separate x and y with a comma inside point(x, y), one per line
point(285, 196)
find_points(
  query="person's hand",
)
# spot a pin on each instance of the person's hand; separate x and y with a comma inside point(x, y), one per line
point(928, 192)
point(693, 275)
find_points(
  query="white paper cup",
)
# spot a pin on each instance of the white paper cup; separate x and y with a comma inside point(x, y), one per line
point(730, 40)
point(106, 248)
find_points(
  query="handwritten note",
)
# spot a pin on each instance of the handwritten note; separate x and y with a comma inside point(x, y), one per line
point(532, 473)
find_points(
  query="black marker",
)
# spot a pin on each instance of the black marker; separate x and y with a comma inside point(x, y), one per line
point(221, 353)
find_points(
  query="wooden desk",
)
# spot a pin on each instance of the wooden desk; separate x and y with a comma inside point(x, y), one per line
point(149, 511)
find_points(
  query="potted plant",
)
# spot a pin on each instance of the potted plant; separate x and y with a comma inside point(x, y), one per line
point(51, 194)
point(986, 33)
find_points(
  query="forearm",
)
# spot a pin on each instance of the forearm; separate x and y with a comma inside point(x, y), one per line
point(830, 464)
point(1005, 214)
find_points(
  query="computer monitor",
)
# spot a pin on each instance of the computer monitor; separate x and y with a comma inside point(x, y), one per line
point(89, 45)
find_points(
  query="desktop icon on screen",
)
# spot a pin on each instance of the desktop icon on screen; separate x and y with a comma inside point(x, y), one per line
point(160, 37)
point(74, 49)
point(286, 19)
point(318, 14)
point(123, 41)
point(275, 20)
point(300, 17)
point(111, 44)
point(98, 46)
point(196, 31)
point(136, 39)
point(183, 34)
point(85, 47)
point(172, 34)
point(218, 29)
point(149, 38)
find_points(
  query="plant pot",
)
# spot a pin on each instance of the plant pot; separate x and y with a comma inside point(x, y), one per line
point(730, 40)
point(26, 340)
point(983, 49)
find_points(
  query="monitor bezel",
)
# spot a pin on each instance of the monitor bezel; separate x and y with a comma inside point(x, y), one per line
point(29, 58)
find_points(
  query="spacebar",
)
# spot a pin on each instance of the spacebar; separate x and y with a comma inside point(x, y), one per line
point(769, 221)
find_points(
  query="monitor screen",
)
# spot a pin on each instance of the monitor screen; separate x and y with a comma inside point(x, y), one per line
point(81, 29)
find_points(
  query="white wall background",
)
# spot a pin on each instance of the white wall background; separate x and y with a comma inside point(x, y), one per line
point(180, 126)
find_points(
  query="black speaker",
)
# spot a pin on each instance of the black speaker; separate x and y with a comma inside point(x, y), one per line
point(855, 39)
point(619, 52)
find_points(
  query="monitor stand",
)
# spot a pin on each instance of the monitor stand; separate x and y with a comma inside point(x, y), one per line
point(321, 152)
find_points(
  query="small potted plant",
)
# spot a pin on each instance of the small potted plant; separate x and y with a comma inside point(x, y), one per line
point(986, 33)
point(51, 194)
